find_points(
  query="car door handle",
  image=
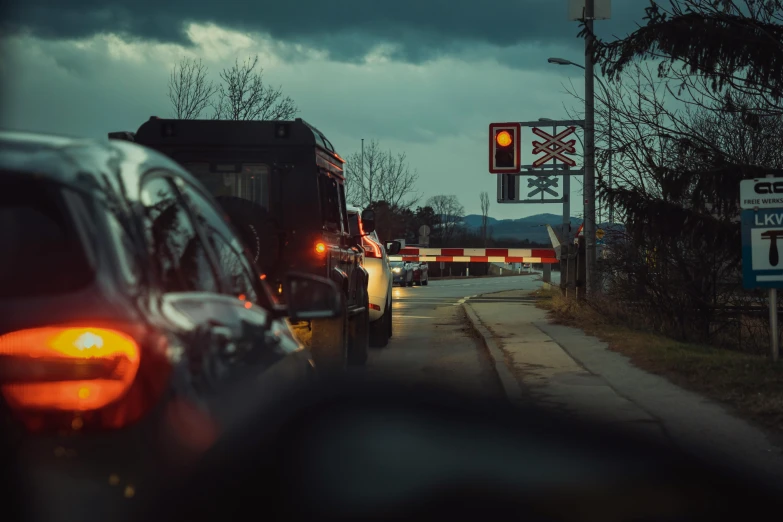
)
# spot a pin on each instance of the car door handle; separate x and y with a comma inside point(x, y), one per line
point(225, 340)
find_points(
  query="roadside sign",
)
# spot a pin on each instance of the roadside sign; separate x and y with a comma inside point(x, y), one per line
point(599, 233)
point(762, 245)
point(761, 193)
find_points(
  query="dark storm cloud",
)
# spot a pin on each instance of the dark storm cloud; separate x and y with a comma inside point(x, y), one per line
point(418, 29)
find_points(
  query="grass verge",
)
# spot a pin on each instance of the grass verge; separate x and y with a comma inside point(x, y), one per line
point(751, 384)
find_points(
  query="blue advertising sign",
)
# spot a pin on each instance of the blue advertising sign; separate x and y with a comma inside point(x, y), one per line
point(762, 245)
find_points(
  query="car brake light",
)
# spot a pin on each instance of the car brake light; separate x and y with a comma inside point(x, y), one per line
point(77, 370)
point(320, 248)
point(371, 248)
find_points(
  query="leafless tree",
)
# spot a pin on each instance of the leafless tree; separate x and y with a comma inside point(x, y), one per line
point(243, 95)
point(450, 212)
point(677, 169)
point(706, 48)
point(190, 92)
point(484, 216)
point(385, 176)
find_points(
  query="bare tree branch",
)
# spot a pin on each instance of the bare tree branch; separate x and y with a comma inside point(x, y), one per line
point(484, 197)
point(450, 213)
point(244, 96)
point(189, 90)
point(385, 176)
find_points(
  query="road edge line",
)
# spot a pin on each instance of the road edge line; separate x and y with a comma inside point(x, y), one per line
point(511, 386)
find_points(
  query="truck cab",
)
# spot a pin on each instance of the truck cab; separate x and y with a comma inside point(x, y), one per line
point(282, 186)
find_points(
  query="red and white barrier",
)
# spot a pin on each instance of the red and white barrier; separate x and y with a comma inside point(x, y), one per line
point(478, 255)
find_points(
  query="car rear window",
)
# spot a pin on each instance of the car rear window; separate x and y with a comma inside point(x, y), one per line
point(249, 181)
point(40, 250)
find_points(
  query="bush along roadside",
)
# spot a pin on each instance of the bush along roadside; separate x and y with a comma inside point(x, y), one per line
point(751, 384)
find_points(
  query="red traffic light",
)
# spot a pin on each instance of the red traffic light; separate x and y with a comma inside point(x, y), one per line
point(505, 150)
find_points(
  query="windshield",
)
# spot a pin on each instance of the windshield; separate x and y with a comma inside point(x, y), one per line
point(248, 181)
point(42, 253)
point(612, 249)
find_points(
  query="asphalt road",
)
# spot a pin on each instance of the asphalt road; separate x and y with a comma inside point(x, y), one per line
point(432, 340)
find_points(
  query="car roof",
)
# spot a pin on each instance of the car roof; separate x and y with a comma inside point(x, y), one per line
point(83, 164)
point(353, 210)
point(234, 132)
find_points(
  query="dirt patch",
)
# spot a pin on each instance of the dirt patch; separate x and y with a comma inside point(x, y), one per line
point(752, 385)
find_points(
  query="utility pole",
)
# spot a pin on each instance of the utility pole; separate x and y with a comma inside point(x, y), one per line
point(589, 177)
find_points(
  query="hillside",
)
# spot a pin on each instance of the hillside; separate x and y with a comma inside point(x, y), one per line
point(531, 227)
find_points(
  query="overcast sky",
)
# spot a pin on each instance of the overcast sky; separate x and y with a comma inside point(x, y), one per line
point(424, 77)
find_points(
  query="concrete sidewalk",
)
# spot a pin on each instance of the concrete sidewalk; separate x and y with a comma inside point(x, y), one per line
point(565, 369)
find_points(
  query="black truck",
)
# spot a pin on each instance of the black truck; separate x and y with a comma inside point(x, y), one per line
point(281, 184)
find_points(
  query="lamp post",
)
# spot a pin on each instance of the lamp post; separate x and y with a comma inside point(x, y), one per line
point(563, 61)
point(588, 189)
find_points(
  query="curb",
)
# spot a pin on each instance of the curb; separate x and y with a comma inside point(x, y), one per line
point(510, 385)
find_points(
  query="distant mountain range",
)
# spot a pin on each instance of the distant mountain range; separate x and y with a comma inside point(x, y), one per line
point(532, 228)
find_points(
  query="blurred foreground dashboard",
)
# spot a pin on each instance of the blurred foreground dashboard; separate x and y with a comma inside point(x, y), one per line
point(383, 451)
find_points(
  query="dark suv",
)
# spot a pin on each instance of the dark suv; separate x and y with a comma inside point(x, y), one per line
point(131, 322)
point(282, 185)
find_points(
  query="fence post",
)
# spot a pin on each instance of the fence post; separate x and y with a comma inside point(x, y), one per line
point(581, 270)
point(572, 270)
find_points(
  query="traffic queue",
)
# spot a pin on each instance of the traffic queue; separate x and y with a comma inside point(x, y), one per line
point(147, 286)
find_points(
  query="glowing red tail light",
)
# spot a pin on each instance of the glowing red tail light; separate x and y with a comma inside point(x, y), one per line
point(80, 370)
point(371, 248)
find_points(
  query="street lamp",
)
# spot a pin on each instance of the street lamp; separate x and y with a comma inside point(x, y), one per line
point(563, 61)
point(588, 188)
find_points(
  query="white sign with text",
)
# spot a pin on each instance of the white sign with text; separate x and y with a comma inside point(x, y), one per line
point(761, 193)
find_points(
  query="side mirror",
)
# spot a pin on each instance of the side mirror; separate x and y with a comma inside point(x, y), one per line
point(393, 247)
point(368, 221)
point(312, 297)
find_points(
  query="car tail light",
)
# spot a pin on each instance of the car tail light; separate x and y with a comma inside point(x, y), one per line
point(371, 248)
point(320, 247)
point(87, 372)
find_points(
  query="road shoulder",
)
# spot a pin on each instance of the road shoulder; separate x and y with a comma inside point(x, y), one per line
point(566, 369)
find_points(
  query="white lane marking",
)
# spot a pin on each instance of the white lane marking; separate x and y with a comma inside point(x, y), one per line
point(462, 301)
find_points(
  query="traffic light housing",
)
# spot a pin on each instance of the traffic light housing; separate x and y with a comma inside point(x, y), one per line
point(505, 149)
point(508, 188)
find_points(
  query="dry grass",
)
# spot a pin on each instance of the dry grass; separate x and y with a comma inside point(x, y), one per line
point(751, 384)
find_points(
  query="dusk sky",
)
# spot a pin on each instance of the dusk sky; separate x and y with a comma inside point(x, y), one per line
point(424, 77)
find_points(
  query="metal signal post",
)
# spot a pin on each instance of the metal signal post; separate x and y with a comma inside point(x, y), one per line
point(589, 177)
